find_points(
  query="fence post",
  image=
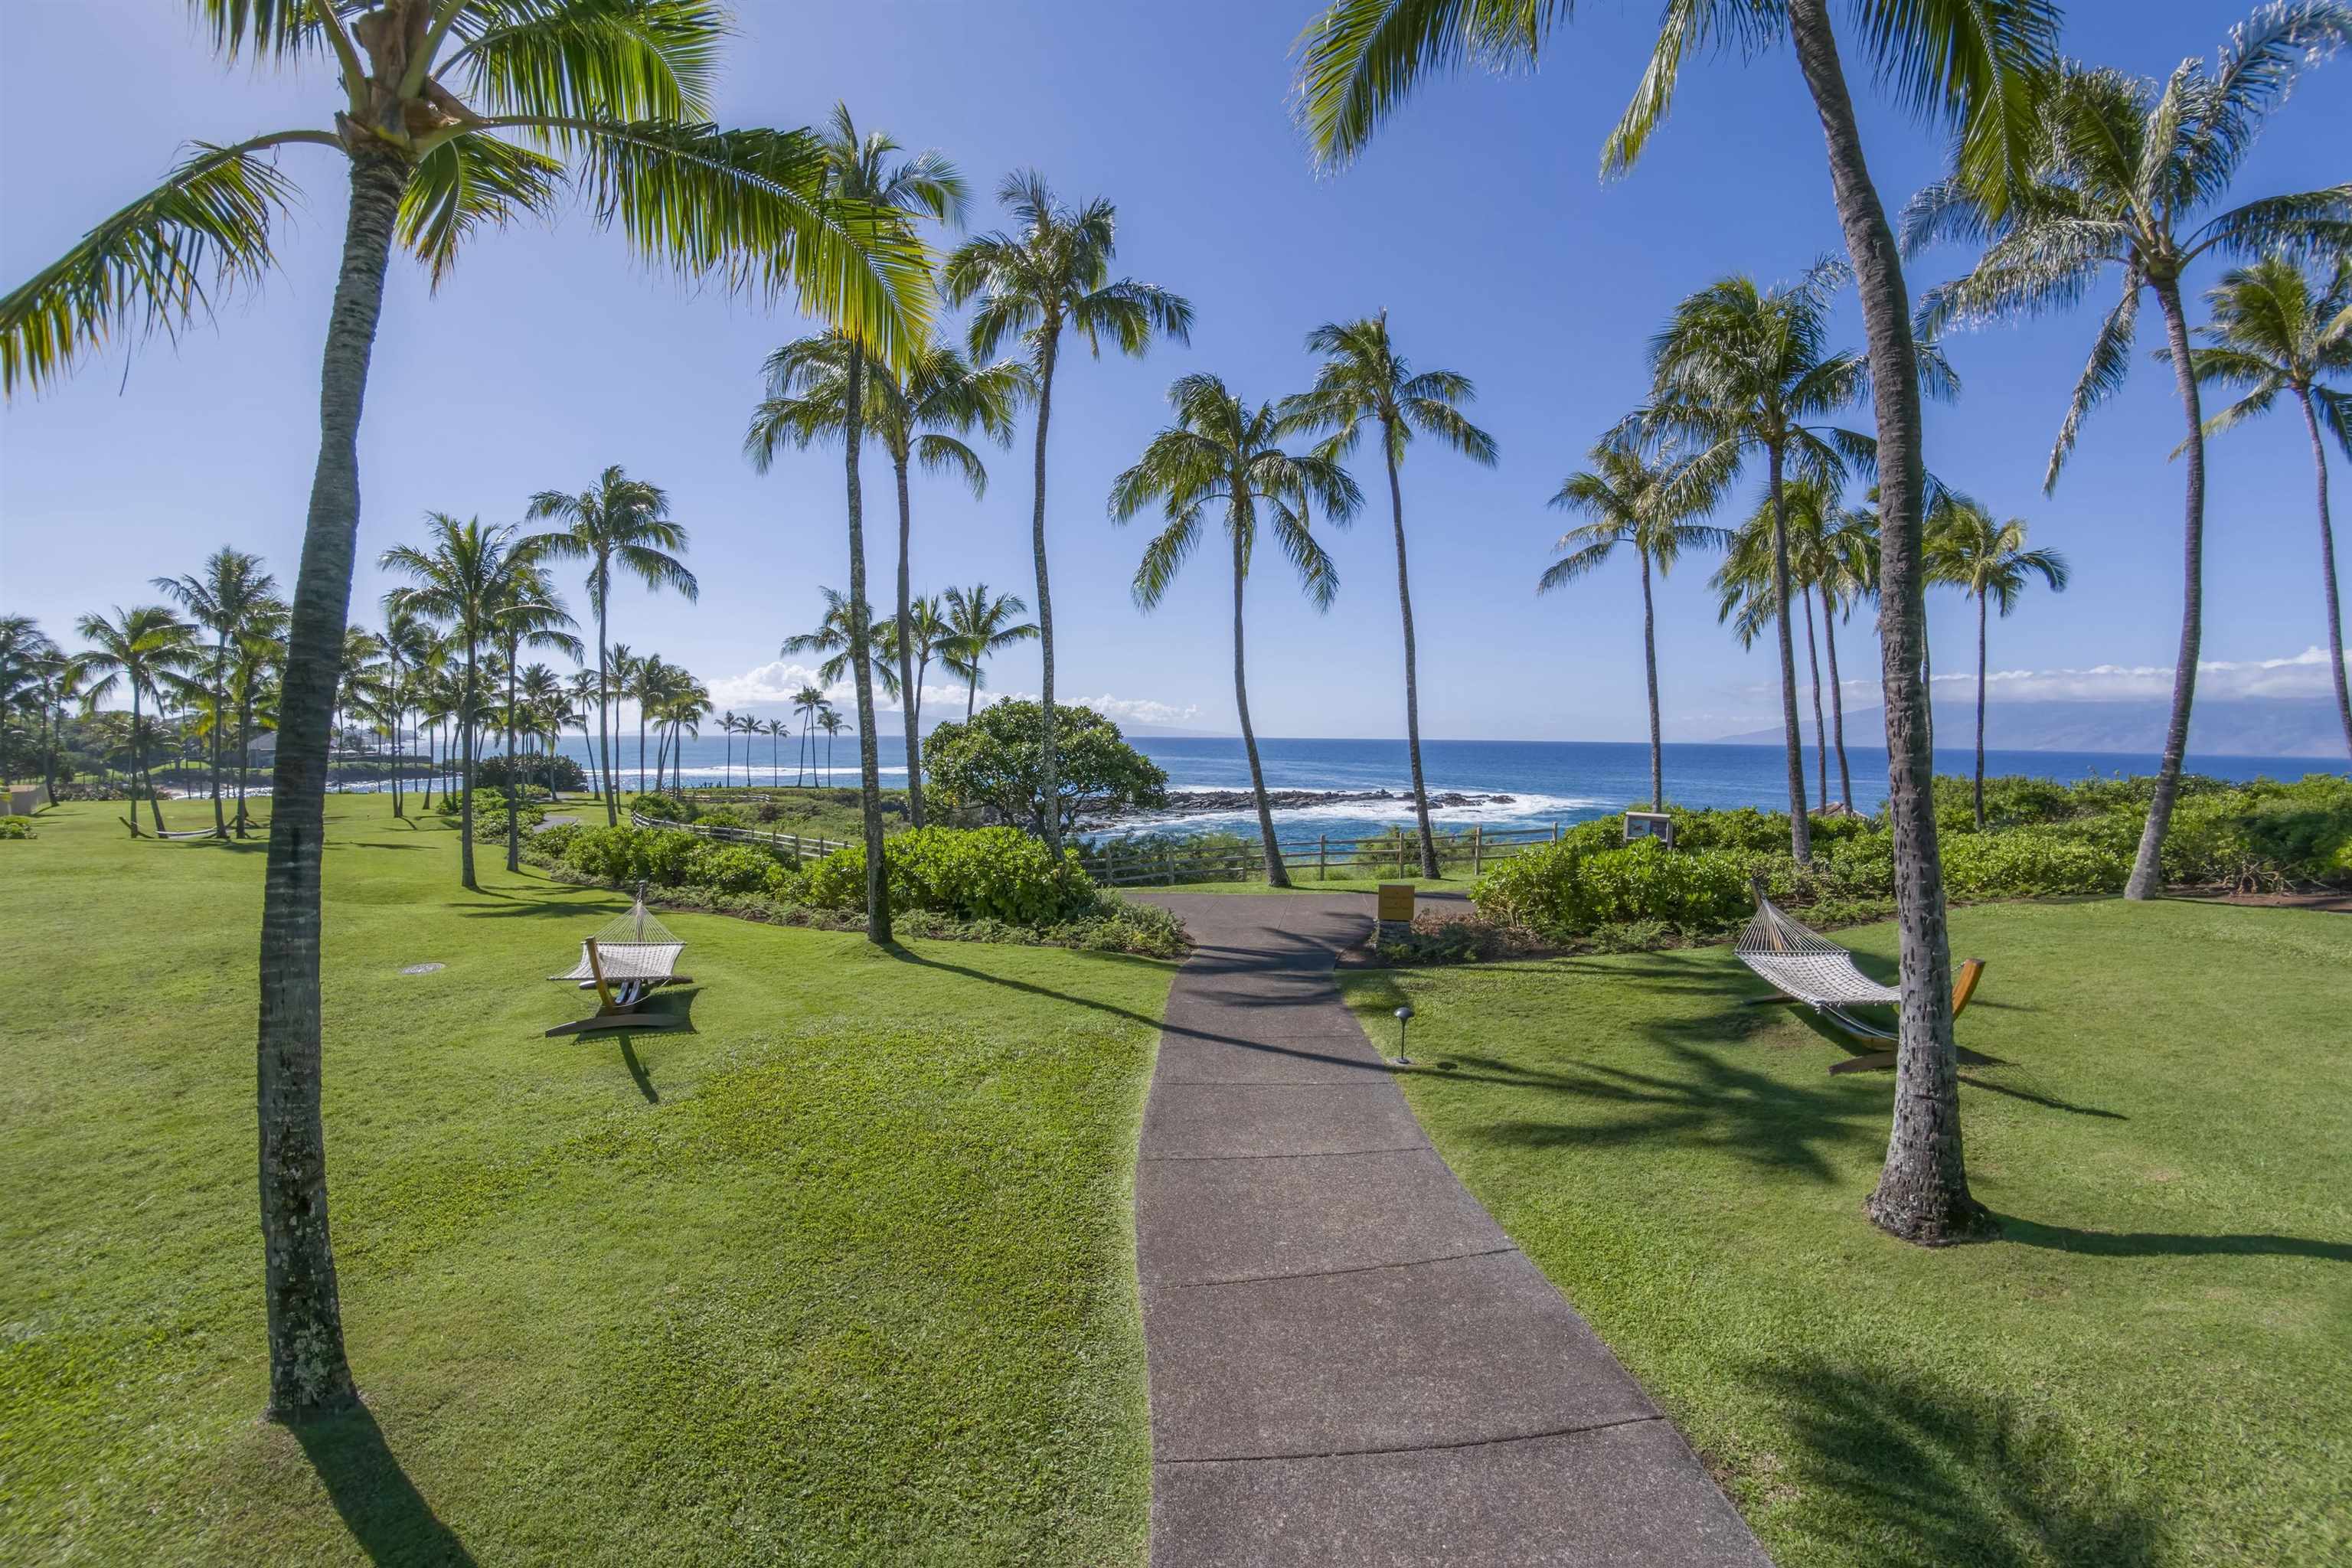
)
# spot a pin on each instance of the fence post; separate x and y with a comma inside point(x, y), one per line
point(1169, 856)
point(1111, 862)
point(1555, 830)
point(1478, 848)
point(1322, 856)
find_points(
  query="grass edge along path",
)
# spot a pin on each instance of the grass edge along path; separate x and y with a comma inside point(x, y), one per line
point(2146, 1370)
point(845, 1274)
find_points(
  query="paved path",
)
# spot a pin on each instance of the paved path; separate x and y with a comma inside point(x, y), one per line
point(1350, 1362)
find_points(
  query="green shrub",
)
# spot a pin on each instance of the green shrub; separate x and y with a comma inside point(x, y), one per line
point(982, 873)
point(722, 817)
point(662, 807)
point(2029, 863)
point(548, 843)
point(1565, 890)
point(730, 868)
point(15, 828)
point(625, 855)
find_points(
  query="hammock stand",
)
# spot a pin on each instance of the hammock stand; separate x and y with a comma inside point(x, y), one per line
point(1803, 967)
point(625, 962)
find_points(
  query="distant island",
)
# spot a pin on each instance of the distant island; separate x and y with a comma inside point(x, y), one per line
point(2219, 727)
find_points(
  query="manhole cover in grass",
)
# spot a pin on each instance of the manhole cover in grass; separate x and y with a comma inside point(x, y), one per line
point(421, 968)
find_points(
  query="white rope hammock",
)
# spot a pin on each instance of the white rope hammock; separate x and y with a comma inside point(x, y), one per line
point(631, 946)
point(1810, 968)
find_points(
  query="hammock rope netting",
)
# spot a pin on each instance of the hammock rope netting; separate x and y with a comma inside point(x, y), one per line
point(1803, 966)
point(631, 946)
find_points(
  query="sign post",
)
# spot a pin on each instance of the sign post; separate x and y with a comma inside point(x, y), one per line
point(1650, 824)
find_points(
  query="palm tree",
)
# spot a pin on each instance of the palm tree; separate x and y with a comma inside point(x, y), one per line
point(1990, 563)
point(981, 624)
point(1968, 64)
point(925, 637)
point(408, 644)
point(543, 704)
point(529, 614)
point(138, 649)
point(2125, 168)
point(805, 702)
point(1740, 370)
point(2272, 332)
point(829, 721)
point(1364, 380)
point(1648, 504)
point(624, 522)
point(359, 680)
point(451, 119)
point(1750, 593)
point(1847, 575)
point(256, 666)
point(467, 576)
point(625, 665)
point(727, 728)
point(581, 687)
point(232, 590)
point(1053, 272)
point(1221, 451)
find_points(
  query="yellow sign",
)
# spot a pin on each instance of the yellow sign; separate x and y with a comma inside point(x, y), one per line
point(1396, 900)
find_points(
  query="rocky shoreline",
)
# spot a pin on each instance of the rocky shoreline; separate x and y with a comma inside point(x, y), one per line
point(1202, 802)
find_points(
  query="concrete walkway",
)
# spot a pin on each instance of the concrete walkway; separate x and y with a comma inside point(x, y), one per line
point(1349, 1361)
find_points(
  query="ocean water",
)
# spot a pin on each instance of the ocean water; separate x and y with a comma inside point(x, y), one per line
point(1547, 781)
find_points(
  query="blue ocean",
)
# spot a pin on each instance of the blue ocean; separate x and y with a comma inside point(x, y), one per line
point(1547, 781)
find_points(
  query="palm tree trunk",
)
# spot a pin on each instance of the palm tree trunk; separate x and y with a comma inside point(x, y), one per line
point(1923, 1190)
point(138, 766)
point(220, 702)
point(398, 713)
point(1801, 832)
point(514, 784)
point(911, 702)
point(1049, 782)
point(309, 1373)
point(244, 753)
point(2147, 867)
point(604, 697)
point(1837, 703)
point(465, 738)
point(1650, 668)
point(972, 691)
point(2327, 569)
point(1411, 672)
point(1926, 677)
point(861, 635)
point(1980, 707)
point(1275, 875)
point(1821, 734)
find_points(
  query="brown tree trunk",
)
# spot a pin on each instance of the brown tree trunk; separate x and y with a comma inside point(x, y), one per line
point(466, 721)
point(2327, 569)
point(861, 661)
point(1821, 731)
point(1800, 834)
point(1650, 669)
point(1275, 875)
point(1048, 757)
point(220, 702)
point(1837, 701)
point(603, 697)
point(1979, 794)
point(910, 694)
point(1411, 661)
point(309, 1374)
point(1923, 1190)
point(514, 783)
point(2147, 867)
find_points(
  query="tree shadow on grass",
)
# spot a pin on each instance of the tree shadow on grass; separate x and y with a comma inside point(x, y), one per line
point(2158, 1243)
point(379, 1504)
point(1895, 1467)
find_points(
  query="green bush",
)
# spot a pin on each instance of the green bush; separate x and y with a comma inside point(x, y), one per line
point(548, 843)
point(982, 873)
point(663, 808)
point(625, 855)
point(1565, 890)
point(731, 868)
point(15, 828)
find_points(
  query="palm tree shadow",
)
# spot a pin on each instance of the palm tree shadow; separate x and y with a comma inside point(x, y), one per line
point(2158, 1244)
point(382, 1507)
point(638, 1073)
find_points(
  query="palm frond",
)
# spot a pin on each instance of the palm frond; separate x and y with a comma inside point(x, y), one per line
point(1360, 60)
point(591, 59)
point(2300, 226)
point(1163, 557)
point(468, 183)
point(2103, 374)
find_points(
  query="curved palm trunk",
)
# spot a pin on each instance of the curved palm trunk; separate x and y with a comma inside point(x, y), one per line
point(1820, 734)
point(861, 633)
point(2327, 569)
point(213, 752)
point(398, 713)
point(1792, 733)
point(1411, 672)
point(514, 780)
point(309, 1373)
point(1837, 704)
point(1923, 1190)
point(2147, 867)
point(243, 754)
point(1049, 781)
point(1928, 678)
point(1979, 793)
point(1275, 875)
point(467, 726)
point(972, 691)
point(604, 697)
point(1650, 669)
point(911, 698)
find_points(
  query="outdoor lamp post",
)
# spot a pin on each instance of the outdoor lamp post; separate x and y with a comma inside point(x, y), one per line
point(1403, 1017)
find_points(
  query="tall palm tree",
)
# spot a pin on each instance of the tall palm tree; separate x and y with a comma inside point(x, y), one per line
point(1049, 273)
point(830, 720)
point(1848, 576)
point(626, 668)
point(529, 614)
point(1749, 592)
point(912, 643)
point(137, 650)
point(232, 590)
point(1221, 451)
point(359, 680)
point(409, 642)
point(451, 118)
point(1647, 503)
point(2275, 331)
point(1990, 563)
point(257, 667)
point(2126, 169)
point(466, 576)
point(1364, 380)
point(1740, 370)
point(541, 697)
point(982, 623)
point(727, 728)
point(582, 687)
point(1967, 64)
point(616, 521)
point(805, 702)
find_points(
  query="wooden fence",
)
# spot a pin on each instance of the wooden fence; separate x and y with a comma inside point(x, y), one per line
point(797, 846)
point(1118, 864)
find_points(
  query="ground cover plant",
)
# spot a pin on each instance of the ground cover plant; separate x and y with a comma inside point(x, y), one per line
point(2141, 1371)
point(842, 1275)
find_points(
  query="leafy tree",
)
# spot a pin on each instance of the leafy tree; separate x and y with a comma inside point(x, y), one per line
point(227, 597)
point(995, 762)
point(621, 521)
point(138, 650)
point(2125, 169)
point(1645, 502)
point(1364, 381)
point(451, 118)
point(1968, 64)
point(982, 623)
point(1051, 273)
point(1221, 455)
point(2272, 332)
point(1989, 562)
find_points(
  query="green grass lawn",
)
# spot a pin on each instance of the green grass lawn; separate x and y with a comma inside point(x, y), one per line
point(2151, 1368)
point(844, 1275)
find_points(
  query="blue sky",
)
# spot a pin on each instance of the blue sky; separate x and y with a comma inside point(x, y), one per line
point(1478, 220)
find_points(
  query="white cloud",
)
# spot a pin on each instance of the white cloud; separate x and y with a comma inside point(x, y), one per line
point(2301, 675)
point(772, 684)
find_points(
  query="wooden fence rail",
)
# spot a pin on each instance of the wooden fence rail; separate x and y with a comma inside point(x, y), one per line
point(798, 846)
point(1117, 863)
